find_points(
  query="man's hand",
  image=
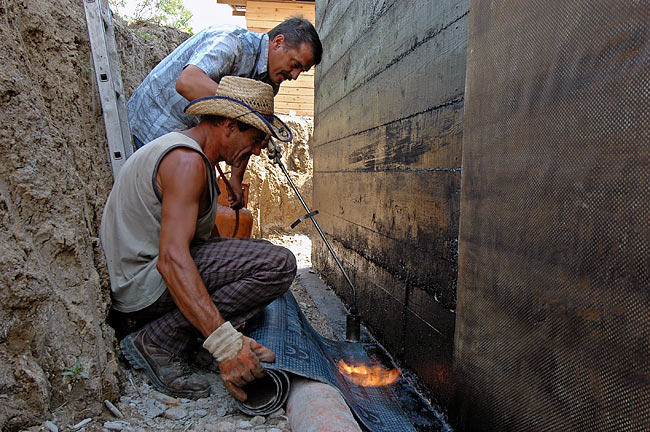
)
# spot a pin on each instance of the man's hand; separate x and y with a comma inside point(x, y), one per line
point(245, 367)
point(236, 201)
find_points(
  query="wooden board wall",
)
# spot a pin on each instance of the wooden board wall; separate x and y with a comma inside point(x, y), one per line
point(387, 167)
point(262, 16)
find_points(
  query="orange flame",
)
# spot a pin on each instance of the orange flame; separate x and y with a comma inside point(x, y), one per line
point(368, 376)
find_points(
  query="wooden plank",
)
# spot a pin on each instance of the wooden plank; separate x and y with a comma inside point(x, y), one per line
point(258, 29)
point(262, 24)
point(297, 113)
point(279, 14)
point(286, 106)
point(399, 91)
point(306, 79)
point(233, 2)
point(253, 5)
point(290, 90)
point(300, 99)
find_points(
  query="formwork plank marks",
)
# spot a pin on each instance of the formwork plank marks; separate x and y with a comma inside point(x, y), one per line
point(404, 223)
point(430, 76)
point(374, 35)
point(427, 141)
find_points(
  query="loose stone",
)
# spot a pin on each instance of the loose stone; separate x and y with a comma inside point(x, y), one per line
point(280, 412)
point(51, 426)
point(257, 420)
point(115, 425)
point(113, 409)
point(81, 424)
point(244, 424)
point(175, 413)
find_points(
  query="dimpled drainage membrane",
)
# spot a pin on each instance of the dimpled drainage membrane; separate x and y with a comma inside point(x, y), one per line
point(552, 327)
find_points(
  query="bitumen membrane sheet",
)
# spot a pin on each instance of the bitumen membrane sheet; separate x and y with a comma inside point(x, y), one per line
point(300, 350)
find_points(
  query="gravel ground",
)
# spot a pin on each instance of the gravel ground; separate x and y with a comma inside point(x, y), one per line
point(142, 408)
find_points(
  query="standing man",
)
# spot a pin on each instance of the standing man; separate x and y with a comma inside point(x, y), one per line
point(167, 273)
point(195, 68)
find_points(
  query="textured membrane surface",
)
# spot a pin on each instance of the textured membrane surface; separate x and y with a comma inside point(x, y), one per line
point(552, 328)
point(284, 329)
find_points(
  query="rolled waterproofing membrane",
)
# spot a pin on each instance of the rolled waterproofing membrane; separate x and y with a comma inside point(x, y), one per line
point(313, 406)
point(301, 352)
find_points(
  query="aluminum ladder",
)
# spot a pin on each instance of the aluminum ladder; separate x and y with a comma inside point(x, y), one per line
point(109, 81)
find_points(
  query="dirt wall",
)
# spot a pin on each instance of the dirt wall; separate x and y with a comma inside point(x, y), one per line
point(56, 352)
point(54, 178)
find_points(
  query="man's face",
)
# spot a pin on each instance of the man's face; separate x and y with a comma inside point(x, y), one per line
point(246, 143)
point(287, 63)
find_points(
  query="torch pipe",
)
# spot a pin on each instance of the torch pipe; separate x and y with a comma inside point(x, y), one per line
point(353, 323)
point(353, 308)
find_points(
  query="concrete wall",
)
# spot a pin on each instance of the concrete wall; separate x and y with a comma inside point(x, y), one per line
point(387, 155)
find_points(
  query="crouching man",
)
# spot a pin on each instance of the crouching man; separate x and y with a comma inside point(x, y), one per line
point(168, 273)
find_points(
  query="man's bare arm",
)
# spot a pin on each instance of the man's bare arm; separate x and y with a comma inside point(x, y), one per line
point(179, 214)
point(236, 179)
point(181, 177)
point(193, 83)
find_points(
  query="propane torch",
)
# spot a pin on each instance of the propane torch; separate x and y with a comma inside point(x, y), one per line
point(352, 321)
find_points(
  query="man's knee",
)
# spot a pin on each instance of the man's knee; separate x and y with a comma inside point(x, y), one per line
point(288, 267)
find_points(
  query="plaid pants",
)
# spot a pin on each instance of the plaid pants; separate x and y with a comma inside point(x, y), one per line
point(242, 277)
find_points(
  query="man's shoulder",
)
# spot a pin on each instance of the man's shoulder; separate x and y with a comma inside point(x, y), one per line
point(229, 31)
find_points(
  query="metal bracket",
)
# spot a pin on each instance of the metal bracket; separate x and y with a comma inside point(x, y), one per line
point(302, 218)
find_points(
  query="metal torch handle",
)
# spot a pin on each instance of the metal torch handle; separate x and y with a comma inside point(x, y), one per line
point(276, 159)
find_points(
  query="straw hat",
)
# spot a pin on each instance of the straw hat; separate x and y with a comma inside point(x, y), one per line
point(246, 100)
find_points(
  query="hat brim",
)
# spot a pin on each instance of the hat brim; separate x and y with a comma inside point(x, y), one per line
point(235, 109)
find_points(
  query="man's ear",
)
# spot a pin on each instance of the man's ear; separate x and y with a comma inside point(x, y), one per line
point(278, 41)
point(230, 126)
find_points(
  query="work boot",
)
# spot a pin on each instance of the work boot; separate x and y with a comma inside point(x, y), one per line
point(166, 371)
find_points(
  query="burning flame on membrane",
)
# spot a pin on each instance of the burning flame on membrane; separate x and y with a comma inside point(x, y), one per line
point(368, 376)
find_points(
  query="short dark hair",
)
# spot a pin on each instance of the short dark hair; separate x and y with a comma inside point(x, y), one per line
point(217, 120)
point(298, 30)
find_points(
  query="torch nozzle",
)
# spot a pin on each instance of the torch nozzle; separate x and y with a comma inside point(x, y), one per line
point(352, 328)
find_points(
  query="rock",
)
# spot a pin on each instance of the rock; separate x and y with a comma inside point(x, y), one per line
point(175, 413)
point(113, 409)
point(224, 426)
point(198, 413)
point(51, 426)
point(81, 424)
point(279, 413)
point(244, 424)
point(167, 400)
point(115, 425)
point(257, 420)
point(151, 409)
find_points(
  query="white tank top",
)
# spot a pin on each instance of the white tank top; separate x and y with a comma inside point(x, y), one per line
point(130, 228)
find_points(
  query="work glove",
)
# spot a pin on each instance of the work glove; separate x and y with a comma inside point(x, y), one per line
point(238, 357)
